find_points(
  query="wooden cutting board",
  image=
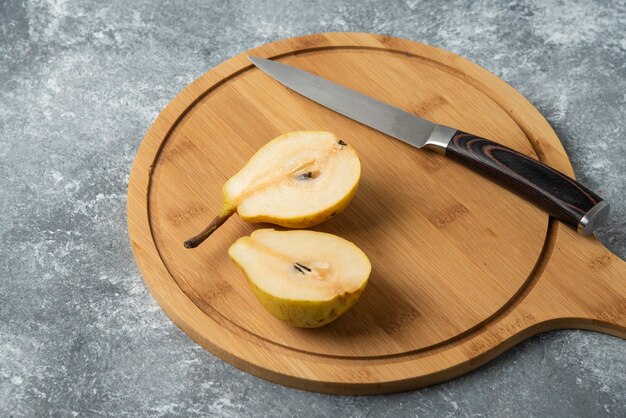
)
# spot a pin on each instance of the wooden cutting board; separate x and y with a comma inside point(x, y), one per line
point(462, 268)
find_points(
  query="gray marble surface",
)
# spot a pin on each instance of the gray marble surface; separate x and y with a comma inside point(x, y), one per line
point(81, 81)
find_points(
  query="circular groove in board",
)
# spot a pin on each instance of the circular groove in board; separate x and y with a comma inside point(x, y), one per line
point(449, 248)
point(217, 109)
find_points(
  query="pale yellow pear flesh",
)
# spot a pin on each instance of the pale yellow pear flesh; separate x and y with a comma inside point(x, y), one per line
point(296, 180)
point(305, 278)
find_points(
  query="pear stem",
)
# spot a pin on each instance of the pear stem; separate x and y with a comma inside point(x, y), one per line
point(193, 242)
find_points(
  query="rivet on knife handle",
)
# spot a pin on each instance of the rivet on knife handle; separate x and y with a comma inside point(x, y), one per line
point(563, 197)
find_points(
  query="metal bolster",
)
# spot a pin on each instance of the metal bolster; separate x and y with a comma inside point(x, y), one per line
point(440, 138)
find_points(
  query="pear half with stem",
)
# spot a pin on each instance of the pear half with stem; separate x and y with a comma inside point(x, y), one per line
point(305, 278)
point(296, 180)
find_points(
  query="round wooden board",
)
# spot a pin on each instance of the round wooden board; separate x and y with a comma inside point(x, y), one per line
point(451, 251)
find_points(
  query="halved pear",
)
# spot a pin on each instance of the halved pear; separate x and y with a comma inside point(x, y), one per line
point(304, 278)
point(296, 180)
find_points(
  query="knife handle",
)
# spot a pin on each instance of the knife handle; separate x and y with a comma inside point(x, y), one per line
point(561, 196)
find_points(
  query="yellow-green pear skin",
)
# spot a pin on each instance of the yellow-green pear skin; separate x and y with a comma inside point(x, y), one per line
point(306, 314)
point(296, 180)
point(304, 278)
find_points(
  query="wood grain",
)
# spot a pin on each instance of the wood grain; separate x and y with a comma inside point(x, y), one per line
point(562, 197)
point(459, 273)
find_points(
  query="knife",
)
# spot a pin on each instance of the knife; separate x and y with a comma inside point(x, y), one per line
point(561, 196)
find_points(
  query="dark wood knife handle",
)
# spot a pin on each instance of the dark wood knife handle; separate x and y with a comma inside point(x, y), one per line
point(561, 196)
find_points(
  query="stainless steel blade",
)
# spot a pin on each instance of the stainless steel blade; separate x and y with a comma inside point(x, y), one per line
point(554, 191)
point(364, 109)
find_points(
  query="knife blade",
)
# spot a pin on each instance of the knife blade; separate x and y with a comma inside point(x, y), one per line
point(561, 196)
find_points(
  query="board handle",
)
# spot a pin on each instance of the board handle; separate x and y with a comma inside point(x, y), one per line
point(583, 286)
point(561, 196)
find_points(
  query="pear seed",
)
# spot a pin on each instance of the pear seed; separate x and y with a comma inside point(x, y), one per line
point(301, 266)
point(308, 175)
